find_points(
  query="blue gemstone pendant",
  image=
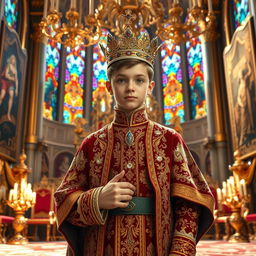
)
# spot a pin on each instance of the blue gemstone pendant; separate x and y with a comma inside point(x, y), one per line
point(129, 138)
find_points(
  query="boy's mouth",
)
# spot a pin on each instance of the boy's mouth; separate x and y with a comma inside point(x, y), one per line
point(130, 98)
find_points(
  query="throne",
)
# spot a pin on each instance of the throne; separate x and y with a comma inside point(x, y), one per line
point(42, 212)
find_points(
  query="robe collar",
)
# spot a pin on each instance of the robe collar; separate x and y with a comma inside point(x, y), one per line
point(138, 116)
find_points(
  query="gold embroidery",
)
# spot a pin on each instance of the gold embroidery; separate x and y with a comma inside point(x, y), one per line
point(153, 178)
point(191, 194)
point(78, 162)
point(179, 154)
point(182, 246)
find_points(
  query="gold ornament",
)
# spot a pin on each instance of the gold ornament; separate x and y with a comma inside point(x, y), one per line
point(130, 46)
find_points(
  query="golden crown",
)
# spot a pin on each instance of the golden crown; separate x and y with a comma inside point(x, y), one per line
point(130, 46)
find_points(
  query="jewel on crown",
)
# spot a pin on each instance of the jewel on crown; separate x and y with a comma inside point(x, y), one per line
point(128, 45)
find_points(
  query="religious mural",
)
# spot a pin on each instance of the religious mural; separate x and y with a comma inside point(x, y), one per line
point(12, 73)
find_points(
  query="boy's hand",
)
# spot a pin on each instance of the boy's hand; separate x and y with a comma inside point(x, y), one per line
point(116, 194)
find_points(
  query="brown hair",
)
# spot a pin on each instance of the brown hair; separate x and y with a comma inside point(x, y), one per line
point(128, 63)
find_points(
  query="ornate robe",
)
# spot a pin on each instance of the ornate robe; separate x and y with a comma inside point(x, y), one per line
point(160, 166)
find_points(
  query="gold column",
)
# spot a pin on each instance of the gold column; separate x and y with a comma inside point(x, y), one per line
point(24, 28)
point(33, 99)
point(226, 20)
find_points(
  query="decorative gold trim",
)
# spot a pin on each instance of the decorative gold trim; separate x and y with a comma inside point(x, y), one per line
point(191, 194)
point(154, 181)
point(226, 22)
point(104, 180)
point(218, 106)
point(33, 102)
point(65, 208)
point(24, 28)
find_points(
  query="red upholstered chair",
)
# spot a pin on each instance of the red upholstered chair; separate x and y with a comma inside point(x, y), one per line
point(4, 221)
point(251, 220)
point(41, 213)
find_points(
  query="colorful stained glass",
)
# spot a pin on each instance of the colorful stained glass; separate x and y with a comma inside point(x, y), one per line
point(74, 84)
point(241, 10)
point(51, 79)
point(172, 86)
point(99, 76)
point(196, 78)
point(11, 13)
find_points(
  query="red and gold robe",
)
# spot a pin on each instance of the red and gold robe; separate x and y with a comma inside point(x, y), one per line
point(159, 165)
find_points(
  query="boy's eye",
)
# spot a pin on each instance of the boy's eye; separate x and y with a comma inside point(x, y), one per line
point(140, 81)
point(120, 81)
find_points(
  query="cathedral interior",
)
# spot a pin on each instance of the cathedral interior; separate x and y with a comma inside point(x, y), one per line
point(53, 94)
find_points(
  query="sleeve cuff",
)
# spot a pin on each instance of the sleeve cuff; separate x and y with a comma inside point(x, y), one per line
point(88, 208)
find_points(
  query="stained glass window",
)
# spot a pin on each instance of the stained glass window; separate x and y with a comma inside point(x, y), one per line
point(196, 78)
point(11, 13)
point(51, 79)
point(241, 10)
point(99, 77)
point(172, 82)
point(74, 84)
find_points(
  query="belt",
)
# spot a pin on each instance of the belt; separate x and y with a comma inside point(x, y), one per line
point(137, 206)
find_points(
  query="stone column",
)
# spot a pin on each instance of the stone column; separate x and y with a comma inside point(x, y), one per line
point(215, 111)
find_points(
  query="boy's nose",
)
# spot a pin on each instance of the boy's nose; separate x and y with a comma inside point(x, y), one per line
point(130, 86)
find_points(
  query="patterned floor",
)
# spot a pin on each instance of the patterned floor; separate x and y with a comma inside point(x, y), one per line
point(204, 248)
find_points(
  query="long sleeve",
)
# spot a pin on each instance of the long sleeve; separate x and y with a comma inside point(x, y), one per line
point(185, 228)
point(86, 211)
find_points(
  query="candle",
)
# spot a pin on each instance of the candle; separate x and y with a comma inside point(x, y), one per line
point(224, 185)
point(241, 192)
point(45, 8)
point(15, 188)
point(210, 5)
point(11, 195)
point(232, 183)
point(244, 187)
point(33, 197)
point(194, 2)
point(219, 194)
point(229, 188)
point(91, 6)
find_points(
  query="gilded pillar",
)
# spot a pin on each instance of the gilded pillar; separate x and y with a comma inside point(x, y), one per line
point(253, 12)
point(35, 105)
point(214, 98)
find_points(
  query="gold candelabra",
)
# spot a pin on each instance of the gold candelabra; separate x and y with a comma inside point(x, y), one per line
point(115, 15)
point(21, 198)
point(174, 30)
point(234, 195)
point(72, 32)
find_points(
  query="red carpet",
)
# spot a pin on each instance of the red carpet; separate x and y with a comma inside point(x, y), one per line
point(204, 248)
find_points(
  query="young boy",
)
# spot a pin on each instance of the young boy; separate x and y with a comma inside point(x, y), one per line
point(133, 187)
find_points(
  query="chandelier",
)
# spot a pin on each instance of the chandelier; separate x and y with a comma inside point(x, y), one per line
point(114, 15)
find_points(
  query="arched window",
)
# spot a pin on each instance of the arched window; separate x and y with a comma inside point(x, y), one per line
point(172, 82)
point(11, 13)
point(196, 78)
point(240, 11)
point(51, 80)
point(74, 84)
point(99, 67)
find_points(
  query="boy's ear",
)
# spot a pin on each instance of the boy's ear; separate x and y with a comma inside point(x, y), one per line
point(151, 87)
point(109, 88)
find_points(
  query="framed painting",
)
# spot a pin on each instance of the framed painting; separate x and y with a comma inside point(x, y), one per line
point(239, 62)
point(13, 60)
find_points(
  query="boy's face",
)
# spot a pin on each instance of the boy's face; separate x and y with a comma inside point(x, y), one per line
point(130, 86)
